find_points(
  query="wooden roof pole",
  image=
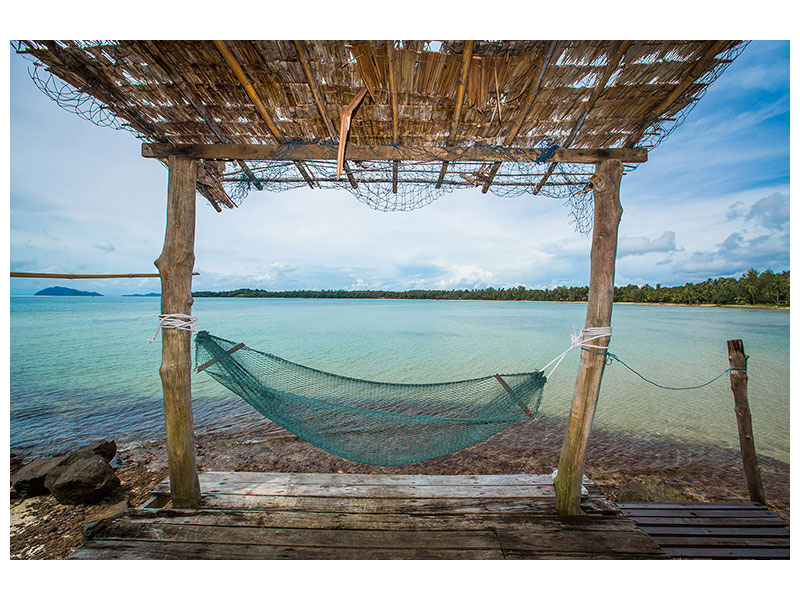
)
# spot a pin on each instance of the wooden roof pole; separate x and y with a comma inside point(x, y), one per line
point(699, 68)
point(529, 100)
point(613, 64)
point(312, 83)
point(188, 92)
point(389, 152)
point(466, 61)
point(607, 214)
point(257, 102)
point(175, 267)
point(395, 118)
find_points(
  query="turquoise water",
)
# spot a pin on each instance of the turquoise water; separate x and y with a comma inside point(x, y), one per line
point(81, 367)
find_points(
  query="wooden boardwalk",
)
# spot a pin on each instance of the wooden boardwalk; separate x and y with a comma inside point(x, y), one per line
point(346, 516)
point(712, 530)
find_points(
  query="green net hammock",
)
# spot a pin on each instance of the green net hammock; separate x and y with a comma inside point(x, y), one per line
point(371, 422)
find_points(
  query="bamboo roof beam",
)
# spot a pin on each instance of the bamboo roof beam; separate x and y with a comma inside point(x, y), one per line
point(395, 118)
point(518, 122)
point(87, 79)
point(188, 92)
point(257, 102)
point(293, 151)
point(700, 67)
point(611, 67)
point(299, 46)
point(466, 61)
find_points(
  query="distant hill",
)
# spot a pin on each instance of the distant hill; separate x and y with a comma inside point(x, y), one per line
point(57, 290)
point(150, 295)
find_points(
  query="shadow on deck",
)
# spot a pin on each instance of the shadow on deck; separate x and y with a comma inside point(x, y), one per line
point(346, 516)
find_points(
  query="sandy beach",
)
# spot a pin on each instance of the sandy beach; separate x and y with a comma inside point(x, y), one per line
point(44, 529)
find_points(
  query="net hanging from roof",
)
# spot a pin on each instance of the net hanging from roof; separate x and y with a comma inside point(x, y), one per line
point(367, 421)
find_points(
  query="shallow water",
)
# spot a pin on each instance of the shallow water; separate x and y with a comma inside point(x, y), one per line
point(81, 367)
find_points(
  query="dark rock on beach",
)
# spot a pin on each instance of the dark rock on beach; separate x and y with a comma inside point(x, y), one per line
point(84, 479)
point(81, 476)
point(29, 480)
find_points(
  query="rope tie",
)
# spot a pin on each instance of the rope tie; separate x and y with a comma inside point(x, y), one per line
point(582, 339)
point(175, 321)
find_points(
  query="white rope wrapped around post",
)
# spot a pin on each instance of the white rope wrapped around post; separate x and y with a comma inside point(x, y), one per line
point(175, 321)
point(581, 340)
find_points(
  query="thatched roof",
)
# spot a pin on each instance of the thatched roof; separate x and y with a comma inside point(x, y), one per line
point(528, 94)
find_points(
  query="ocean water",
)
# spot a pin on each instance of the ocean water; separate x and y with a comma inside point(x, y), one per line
point(81, 368)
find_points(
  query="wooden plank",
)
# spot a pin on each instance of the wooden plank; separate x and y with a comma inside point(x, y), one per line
point(607, 214)
point(150, 550)
point(528, 522)
point(376, 505)
point(722, 541)
point(566, 555)
point(208, 477)
point(688, 531)
point(727, 552)
point(712, 521)
point(693, 505)
point(291, 151)
point(124, 529)
point(578, 540)
point(719, 512)
point(175, 266)
point(373, 491)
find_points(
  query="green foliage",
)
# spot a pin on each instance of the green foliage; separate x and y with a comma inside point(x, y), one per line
point(751, 288)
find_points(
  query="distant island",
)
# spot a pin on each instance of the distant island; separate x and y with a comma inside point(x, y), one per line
point(57, 290)
point(751, 289)
point(150, 295)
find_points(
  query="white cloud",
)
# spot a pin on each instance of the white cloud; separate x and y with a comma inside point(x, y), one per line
point(632, 246)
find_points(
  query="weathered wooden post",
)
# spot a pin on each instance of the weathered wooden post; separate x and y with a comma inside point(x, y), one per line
point(738, 373)
point(175, 266)
point(607, 214)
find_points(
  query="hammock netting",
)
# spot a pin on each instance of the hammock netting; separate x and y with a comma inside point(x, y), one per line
point(368, 421)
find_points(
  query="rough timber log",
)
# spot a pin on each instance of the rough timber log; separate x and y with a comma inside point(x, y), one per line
point(290, 151)
point(607, 214)
point(175, 266)
point(738, 374)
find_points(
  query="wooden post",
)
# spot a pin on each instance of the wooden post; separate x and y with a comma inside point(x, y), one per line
point(175, 266)
point(607, 214)
point(738, 362)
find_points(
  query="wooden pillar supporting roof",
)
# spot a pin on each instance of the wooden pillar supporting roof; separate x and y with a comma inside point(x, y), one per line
point(175, 266)
point(607, 214)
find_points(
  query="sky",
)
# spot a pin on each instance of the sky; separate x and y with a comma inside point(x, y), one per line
point(712, 201)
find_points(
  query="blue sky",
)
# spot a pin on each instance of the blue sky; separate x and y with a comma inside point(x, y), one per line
point(713, 200)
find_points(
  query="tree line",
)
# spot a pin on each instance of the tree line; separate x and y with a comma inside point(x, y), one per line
point(752, 288)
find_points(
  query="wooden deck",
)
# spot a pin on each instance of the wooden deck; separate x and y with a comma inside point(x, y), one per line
point(346, 516)
point(712, 530)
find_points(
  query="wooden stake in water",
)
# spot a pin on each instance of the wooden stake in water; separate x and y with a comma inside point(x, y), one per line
point(738, 361)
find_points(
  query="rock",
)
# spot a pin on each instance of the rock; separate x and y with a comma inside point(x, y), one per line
point(648, 488)
point(105, 448)
point(29, 480)
point(81, 480)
